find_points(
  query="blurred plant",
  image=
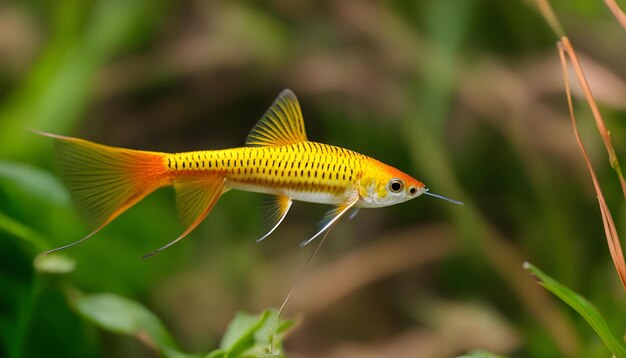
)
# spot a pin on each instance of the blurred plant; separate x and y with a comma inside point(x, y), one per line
point(83, 36)
point(583, 307)
point(479, 354)
point(612, 238)
point(577, 302)
point(246, 336)
point(617, 11)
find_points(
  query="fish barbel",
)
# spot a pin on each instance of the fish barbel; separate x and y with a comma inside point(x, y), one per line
point(278, 159)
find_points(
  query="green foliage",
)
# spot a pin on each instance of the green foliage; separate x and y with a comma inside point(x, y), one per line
point(121, 315)
point(253, 336)
point(33, 181)
point(83, 36)
point(588, 311)
point(246, 336)
point(16, 229)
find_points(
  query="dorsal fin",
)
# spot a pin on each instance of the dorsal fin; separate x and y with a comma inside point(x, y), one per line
point(282, 124)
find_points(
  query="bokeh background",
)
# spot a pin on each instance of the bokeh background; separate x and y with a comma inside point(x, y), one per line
point(466, 95)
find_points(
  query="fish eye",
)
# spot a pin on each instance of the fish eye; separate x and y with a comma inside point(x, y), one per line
point(412, 190)
point(395, 185)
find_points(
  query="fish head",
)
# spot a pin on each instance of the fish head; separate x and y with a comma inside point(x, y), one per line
point(385, 185)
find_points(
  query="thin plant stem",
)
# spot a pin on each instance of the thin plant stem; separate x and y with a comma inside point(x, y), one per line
point(295, 284)
point(617, 12)
point(548, 14)
point(612, 237)
point(604, 132)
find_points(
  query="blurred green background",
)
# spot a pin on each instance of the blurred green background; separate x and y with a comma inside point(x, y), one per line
point(465, 95)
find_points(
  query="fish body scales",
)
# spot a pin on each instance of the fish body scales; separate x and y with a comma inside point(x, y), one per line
point(278, 159)
point(306, 171)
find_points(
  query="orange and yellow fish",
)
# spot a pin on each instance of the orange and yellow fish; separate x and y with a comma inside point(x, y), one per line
point(277, 160)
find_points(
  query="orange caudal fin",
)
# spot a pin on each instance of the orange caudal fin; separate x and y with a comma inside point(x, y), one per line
point(104, 181)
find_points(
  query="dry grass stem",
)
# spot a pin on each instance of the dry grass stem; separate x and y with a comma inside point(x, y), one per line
point(548, 14)
point(615, 248)
point(619, 14)
point(604, 132)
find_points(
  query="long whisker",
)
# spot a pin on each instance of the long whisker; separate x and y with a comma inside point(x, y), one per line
point(443, 197)
point(295, 285)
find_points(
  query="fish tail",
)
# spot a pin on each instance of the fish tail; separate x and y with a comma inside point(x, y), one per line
point(105, 181)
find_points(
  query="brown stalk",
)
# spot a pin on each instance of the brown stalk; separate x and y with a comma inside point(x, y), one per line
point(548, 14)
point(612, 238)
point(617, 12)
point(604, 132)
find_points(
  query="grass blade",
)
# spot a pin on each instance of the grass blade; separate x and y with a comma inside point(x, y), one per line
point(21, 231)
point(583, 307)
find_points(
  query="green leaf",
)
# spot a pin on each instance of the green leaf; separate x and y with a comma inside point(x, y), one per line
point(246, 336)
point(253, 336)
point(21, 231)
point(583, 307)
point(241, 329)
point(121, 315)
point(35, 182)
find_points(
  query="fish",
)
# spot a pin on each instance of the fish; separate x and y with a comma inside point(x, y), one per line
point(277, 160)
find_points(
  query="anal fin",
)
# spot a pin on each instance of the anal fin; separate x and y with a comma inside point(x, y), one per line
point(195, 197)
point(275, 211)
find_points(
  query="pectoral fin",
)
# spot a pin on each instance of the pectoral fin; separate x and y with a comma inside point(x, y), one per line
point(275, 211)
point(195, 197)
point(331, 218)
point(353, 212)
